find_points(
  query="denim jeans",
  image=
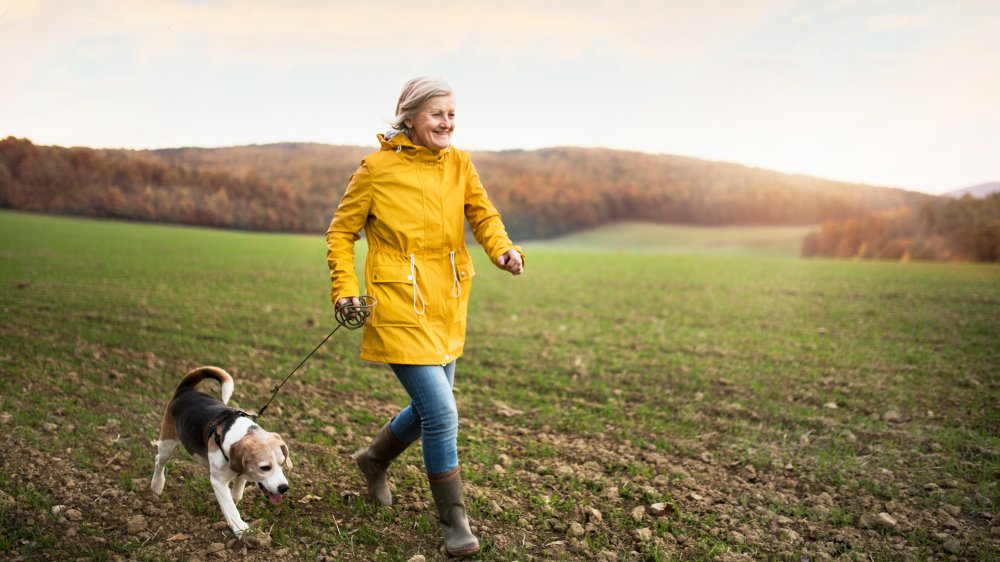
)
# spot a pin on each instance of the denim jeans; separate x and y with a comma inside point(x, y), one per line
point(432, 414)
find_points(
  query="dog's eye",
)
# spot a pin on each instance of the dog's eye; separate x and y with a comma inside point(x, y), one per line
point(265, 468)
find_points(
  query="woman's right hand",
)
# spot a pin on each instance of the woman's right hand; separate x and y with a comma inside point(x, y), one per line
point(511, 261)
point(353, 304)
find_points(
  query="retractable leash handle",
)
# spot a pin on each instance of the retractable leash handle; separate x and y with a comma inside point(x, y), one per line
point(351, 315)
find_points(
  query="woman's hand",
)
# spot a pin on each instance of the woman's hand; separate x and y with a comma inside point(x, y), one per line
point(353, 304)
point(511, 261)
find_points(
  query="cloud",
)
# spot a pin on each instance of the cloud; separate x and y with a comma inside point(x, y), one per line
point(765, 82)
point(296, 33)
point(898, 22)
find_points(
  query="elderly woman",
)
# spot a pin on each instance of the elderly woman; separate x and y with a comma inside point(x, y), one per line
point(412, 198)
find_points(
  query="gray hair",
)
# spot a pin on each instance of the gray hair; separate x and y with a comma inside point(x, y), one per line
point(415, 93)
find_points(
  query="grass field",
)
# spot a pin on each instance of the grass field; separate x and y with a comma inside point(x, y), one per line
point(780, 409)
point(638, 237)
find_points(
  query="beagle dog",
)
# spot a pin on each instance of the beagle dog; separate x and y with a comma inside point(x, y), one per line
point(234, 448)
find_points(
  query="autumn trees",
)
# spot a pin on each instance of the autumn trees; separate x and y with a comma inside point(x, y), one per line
point(138, 186)
point(542, 193)
point(942, 229)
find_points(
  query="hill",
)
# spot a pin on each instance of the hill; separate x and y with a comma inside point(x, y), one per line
point(981, 190)
point(652, 238)
point(542, 193)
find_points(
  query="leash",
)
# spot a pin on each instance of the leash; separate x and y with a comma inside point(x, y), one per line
point(350, 315)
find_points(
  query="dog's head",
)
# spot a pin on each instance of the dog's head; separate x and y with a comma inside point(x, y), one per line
point(259, 455)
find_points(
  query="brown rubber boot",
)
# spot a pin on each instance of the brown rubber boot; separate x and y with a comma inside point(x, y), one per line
point(446, 488)
point(374, 460)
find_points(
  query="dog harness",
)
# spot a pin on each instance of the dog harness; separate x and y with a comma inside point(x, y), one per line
point(223, 420)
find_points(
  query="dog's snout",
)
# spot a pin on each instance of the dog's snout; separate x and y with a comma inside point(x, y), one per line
point(282, 489)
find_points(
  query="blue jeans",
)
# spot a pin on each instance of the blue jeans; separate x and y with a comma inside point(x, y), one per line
point(432, 414)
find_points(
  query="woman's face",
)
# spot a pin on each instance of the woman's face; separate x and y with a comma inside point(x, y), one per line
point(434, 123)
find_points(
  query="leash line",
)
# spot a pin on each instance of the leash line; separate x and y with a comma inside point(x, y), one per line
point(350, 315)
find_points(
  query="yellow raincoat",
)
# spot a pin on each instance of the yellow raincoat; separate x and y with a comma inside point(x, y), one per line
point(412, 204)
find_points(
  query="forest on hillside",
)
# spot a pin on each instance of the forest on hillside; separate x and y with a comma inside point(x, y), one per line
point(295, 187)
point(965, 229)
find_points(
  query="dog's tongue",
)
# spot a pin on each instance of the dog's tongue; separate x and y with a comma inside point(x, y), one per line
point(275, 498)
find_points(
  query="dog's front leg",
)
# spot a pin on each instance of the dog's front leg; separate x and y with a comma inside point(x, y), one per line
point(238, 485)
point(228, 506)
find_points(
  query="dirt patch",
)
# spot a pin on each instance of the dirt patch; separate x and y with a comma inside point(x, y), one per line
point(71, 488)
point(588, 498)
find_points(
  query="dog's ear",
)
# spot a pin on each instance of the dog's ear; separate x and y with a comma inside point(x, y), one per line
point(284, 451)
point(236, 454)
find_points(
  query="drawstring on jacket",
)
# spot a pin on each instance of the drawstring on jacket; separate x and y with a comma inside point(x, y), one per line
point(456, 286)
point(416, 288)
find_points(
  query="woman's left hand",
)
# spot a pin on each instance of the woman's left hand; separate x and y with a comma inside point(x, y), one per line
point(511, 261)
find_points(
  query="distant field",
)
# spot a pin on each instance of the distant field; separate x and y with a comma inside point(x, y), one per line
point(764, 241)
point(775, 408)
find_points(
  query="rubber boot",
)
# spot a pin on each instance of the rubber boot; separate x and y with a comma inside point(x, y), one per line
point(374, 460)
point(446, 488)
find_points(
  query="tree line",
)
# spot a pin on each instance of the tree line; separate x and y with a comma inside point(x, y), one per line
point(295, 187)
point(943, 229)
point(137, 186)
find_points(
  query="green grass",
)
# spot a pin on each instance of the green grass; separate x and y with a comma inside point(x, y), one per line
point(640, 237)
point(662, 375)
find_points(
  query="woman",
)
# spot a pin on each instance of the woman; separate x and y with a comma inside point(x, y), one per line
point(412, 198)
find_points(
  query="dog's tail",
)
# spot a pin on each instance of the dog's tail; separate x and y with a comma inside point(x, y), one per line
point(199, 374)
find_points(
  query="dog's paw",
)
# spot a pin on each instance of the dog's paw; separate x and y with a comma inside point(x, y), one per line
point(256, 538)
point(156, 485)
point(241, 529)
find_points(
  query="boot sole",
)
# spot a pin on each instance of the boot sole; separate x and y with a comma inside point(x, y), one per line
point(467, 551)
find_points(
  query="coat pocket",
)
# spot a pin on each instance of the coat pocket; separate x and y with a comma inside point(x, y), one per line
point(463, 267)
point(392, 285)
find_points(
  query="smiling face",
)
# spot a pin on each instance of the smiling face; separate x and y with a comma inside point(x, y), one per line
point(434, 123)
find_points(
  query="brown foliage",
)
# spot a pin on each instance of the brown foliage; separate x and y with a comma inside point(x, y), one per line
point(134, 185)
point(946, 229)
point(542, 193)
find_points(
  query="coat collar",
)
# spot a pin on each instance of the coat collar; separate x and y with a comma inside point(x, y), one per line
point(400, 143)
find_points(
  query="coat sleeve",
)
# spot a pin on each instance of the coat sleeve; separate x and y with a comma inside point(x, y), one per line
point(344, 231)
point(487, 225)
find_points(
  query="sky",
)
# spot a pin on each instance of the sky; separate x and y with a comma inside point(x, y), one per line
point(897, 93)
